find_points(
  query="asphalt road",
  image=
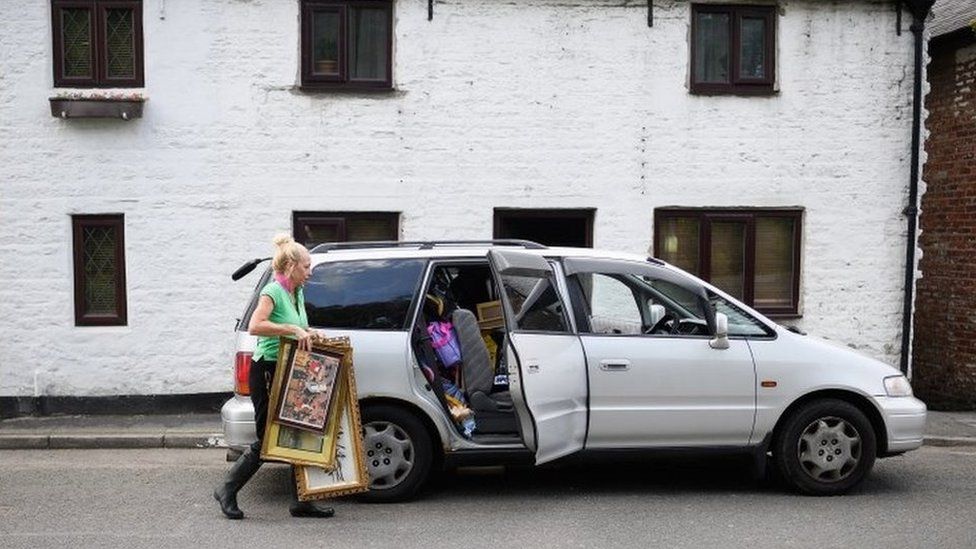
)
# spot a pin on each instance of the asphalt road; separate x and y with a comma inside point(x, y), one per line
point(161, 498)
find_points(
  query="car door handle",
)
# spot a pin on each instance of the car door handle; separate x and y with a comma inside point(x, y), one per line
point(614, 365)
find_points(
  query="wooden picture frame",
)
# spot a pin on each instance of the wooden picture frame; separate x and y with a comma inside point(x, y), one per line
point(490, 315)
point(299, 446)
point(349, 474)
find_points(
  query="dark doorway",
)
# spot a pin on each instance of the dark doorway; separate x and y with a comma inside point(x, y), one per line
point(549, 227)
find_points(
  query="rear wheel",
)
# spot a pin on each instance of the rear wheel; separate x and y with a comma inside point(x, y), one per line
point(825, 448)
point(398, 453)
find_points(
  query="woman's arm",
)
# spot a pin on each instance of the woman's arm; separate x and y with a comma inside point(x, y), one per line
point(261, 326)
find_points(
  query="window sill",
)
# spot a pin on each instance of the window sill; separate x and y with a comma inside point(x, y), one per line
point(339, 89)
point(783, 316)
point(747, 92)
point(97, 105)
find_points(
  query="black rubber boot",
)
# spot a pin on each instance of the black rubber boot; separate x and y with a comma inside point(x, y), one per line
point(242, 470)
point(305, 509)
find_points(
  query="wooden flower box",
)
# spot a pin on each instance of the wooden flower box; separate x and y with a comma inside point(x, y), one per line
point(126, 109)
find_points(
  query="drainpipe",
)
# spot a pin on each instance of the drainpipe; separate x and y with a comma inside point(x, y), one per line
point(920, 10)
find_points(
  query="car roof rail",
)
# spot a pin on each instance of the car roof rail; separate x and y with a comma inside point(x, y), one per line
point(654, 260)
point(424, 244)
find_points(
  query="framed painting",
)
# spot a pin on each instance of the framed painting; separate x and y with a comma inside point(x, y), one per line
point(349, 474)
point(308, 388)
point(302, 446)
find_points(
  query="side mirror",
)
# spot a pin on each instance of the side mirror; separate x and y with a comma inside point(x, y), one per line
point(721, 340)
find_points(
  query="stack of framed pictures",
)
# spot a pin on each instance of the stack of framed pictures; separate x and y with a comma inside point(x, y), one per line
point(313, 419)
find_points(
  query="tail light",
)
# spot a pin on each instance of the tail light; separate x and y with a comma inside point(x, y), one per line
point(242, 371)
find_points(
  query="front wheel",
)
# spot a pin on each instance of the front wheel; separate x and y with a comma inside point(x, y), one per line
point(825, 448)
point(398, 453)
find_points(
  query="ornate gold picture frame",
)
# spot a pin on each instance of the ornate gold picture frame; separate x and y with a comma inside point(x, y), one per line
point(349, 474)
point(299, 446)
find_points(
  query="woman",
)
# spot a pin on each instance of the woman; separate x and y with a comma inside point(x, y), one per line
point(280, 312)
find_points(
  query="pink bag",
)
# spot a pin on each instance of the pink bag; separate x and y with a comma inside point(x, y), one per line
point(445, 343)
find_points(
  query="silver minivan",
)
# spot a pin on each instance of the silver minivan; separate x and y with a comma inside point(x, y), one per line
point(572, 350)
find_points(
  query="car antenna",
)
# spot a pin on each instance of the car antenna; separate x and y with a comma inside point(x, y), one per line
point(242, 271)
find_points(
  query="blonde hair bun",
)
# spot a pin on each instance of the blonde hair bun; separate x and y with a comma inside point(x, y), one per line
point(281, 239)
point(288, 253)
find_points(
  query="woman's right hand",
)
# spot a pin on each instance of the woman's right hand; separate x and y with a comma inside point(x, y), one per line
point(304, 338)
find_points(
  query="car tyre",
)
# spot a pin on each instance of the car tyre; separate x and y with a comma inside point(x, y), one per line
point(398, 453)
point(825, 448)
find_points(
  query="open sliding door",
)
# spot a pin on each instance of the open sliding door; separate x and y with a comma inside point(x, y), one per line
point(546, 367)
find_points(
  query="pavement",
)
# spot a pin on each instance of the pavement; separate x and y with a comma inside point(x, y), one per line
point(205, 431)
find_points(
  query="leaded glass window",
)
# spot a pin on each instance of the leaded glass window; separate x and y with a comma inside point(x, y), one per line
point(76, 32)
point(119, 43)
point(99, 265)
point(97, 43)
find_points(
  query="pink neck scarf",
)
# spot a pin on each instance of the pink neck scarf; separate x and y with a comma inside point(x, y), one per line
point(285, 282)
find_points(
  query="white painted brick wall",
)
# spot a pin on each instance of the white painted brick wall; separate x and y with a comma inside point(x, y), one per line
point(534, 103)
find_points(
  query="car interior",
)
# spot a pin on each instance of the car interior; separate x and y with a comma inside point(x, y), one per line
point(474, 390)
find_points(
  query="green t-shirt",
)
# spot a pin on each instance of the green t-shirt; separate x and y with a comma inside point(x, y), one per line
point(284, 312)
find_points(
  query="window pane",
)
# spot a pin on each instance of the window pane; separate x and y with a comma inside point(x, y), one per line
point(728, 257)
point(712, 48)
point(679, 243)
point(752, 49)
point(613, 307)
point(364, 295)
point(367, 44)
point(319, 232)
point(676, 298)
point(535, 303)
point(774, 262)
point(740, 323)
point(325, 43)
point(361, 229)
point(76, 41)
point(98, 244)
point(120, 43)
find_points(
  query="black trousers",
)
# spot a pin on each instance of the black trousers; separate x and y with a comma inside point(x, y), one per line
point(262, 372)
point(260, 377)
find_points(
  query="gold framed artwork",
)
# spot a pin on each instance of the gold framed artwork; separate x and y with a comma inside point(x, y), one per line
point(307, 389)
point(305, 446)
point(349, 475)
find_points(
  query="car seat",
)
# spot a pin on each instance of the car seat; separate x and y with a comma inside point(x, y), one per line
point(493, 411)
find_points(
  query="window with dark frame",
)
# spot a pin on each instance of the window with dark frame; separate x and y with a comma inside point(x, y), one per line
point(97, 43)
point(732, 49)
point(312, 228)
point(752, 254)
point(99, 270)
point(347, 44)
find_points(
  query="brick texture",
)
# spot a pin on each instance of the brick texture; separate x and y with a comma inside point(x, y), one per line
point(945, 319)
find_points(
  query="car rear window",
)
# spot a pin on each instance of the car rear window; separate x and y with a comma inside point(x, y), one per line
point(363, 295)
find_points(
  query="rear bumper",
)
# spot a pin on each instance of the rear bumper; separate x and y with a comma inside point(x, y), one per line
point(904, 419)
point(237, 417)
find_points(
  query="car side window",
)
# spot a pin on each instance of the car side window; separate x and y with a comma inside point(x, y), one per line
point(613, 307)
point(362, 295)
point(740, 323)
point(640, 299)
point(535, 303)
